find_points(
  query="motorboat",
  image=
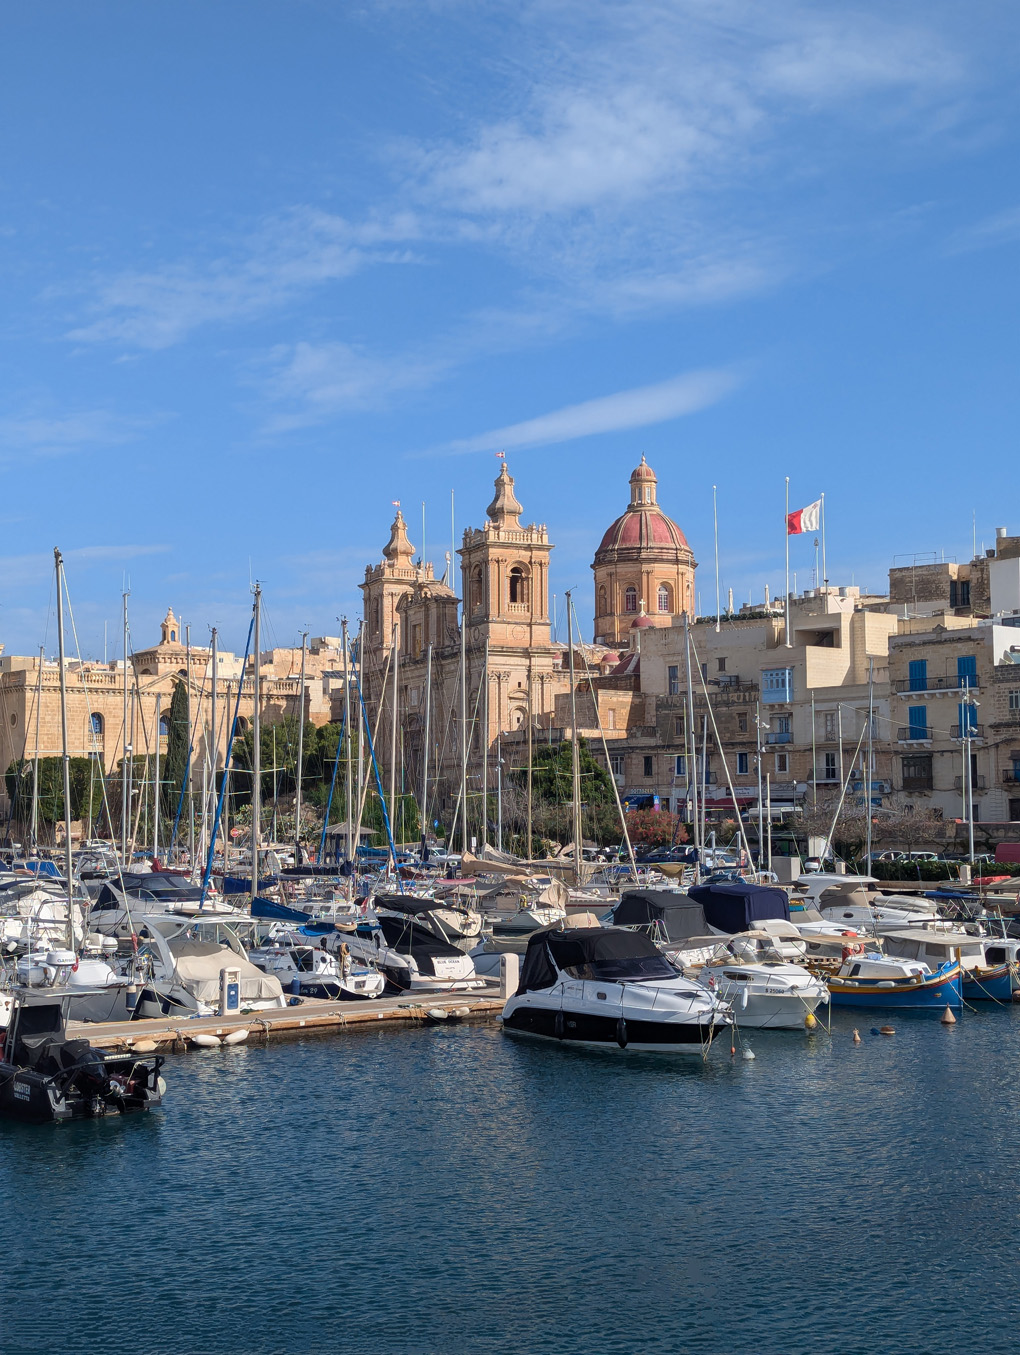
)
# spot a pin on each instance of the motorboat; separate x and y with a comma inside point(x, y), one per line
point(410, 955)
point(45, 1077)
point(738, 906)
point(875, 981)
point(989, 964)
point(770, 995)
point(307, 970)
point(609, 988)
point(675, 922)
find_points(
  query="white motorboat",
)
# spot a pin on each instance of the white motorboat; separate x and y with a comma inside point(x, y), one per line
point(411, 956)
point(609, 988)
point(310, 971)
point(771, 995)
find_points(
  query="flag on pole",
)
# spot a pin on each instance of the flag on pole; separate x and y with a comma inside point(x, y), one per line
point(501, 455)
point(395, 503)
point(804, 520)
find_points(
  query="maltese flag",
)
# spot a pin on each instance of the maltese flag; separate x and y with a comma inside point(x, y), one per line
point(804, 520)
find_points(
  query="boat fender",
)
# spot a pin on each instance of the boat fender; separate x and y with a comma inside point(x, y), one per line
point(558, 1026)
point(621, 1032)
point(235, 1037)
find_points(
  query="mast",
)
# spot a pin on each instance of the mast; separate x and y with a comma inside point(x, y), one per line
point(692, 781)
point(256, 769)
point(189, 771)
point(394, 717)
point(349, 774)
point(867, 770)
point(126, 747)
point(65, 756)
point(425, 749)
point(35, 760)
point(463, 731)
point(485, 748)
point(575, 762)
point(155, 789)
point(213, 759)
point(300, 755)
point(531, 727)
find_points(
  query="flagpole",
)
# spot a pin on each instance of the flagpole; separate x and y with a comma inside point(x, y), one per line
point(786, 524)
point(825, 572)
point(715, 518)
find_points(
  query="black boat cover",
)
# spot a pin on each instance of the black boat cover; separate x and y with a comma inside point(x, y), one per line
point(674, 916)
point(406, 903)
point(591, 953)
point(402, 935)
point(737, 906)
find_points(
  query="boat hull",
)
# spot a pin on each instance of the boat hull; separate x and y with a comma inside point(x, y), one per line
point(605, 1032)
point(932, 993)
point(774, 1013)
point(994, 984)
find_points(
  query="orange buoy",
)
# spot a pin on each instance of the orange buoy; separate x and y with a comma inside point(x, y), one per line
point(888, 1030)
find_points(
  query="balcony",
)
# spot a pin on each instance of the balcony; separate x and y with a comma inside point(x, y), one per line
point(779, 736)
point(979, 783)
point(967, 732)
point(935, 686)
point(1011, 776)
point(919, 734)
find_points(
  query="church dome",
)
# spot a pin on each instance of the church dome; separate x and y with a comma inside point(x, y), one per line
point(644, 526)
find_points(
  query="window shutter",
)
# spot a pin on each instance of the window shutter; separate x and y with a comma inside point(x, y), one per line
point(918, 675)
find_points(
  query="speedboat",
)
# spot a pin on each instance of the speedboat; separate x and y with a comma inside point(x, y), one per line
point(411, 956)
point(46, 1077)
point(875, 981)
point(310, 971)
point(607, 988)
point(767, 996)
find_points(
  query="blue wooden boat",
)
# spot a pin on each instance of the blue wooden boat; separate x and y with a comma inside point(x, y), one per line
point(992, 983)
point(872, 981)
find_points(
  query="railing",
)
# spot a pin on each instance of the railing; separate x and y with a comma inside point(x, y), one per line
point(952, 682)
point(913, 733)
point(977, 782)
point(1011, 776)
point(967, 731)
point(779, 736)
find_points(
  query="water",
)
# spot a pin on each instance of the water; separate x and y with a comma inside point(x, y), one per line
point(457, 1192)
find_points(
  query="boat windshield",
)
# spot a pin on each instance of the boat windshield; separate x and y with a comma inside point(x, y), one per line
point(630, 969)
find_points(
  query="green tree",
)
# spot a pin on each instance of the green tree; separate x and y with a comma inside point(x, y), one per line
point(86, 781)
point(174, 768)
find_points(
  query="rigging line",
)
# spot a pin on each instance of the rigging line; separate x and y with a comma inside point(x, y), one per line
point(223, 782)
point(332, 787)
point(355, 671)
point(378, 784)
point(470, 737)
point(195, 723)
point(725, 763)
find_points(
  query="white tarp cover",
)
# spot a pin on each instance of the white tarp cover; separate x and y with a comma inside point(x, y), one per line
point(198, 968)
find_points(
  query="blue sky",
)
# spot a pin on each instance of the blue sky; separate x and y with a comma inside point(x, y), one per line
point(268, 266)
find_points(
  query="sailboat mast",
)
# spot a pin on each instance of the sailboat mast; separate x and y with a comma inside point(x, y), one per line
point(531, 729)
point(300, 753)
point(155, 789)
point(126, 748)
point(35, 760)
point(692, 780)
point(485, 748)
point(425, 747)
point(213, 758)
point(394, 720)
point(189, 770)
point(256, 768)
point(65, 755)
point(575, 762)
point(463, 731)
point(349, 770)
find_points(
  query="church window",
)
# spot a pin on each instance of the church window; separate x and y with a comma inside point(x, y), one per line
point(630, 599)
point(518, 585)
point(173, 636)
point(96, 723)
point(602, 601)
point(476, 588)
point(665, 598)
point(164, 727)
point(518, 715)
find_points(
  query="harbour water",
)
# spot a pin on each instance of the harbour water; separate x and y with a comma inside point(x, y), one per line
point(453, 1191)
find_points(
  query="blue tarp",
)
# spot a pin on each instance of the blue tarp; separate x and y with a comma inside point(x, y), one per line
point(277, 912)
point(239, 884)
point(738, 906)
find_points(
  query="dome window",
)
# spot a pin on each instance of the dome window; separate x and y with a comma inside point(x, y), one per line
point(630, 599)
point(665, 598)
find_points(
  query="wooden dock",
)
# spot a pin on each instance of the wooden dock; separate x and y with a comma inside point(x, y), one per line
point(310, 1016)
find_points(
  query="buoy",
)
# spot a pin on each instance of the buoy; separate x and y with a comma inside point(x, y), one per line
point(462, 1011)
point(888, 1030)
point(206, 1041)
point(437, 1014)
point(809, 1021)
point(747, 1055)
point(143, 1047)
point(857, 1036)
point(733, 1050)
point(948, 1019)
point(235, 1037)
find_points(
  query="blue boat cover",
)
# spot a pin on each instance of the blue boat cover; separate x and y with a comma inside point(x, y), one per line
point(241, 884)
point(738, 906)
point(277, 912)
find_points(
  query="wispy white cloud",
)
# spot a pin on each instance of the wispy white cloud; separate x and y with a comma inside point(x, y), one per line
point(312, 382)
point(288, 255)
point(638, 408)
point(1003, 228)
point(60, 434)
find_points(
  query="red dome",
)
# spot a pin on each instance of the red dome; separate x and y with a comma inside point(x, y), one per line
point(641, 622)
point(611, 658)
point(643, 525)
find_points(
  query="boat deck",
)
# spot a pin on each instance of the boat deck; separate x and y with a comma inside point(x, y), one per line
point(311, 1015)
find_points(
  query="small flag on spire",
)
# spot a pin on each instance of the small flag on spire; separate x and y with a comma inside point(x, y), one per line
point(395, 503)
point(501, 456)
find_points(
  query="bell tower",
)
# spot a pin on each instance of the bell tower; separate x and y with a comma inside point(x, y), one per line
point(505, 574)
point(385, 584)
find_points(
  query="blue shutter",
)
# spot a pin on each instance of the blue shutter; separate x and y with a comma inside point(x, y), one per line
point(966, 718)
point(918, 675)
point(966, 670)
point(918, 717)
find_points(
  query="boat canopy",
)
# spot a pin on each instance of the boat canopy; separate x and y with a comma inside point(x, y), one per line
point(668, 910)
point(412, 904)
point(736, 906)
point(402, 935)
point(277, 912)
point(608, 953)
point(198, 966)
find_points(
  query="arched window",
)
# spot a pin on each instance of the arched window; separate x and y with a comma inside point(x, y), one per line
point(164, 726)
point(96, 724)
point(173, 637)
point(377, 620)
point(665, 598)
point(519, 585)
point(518, 715)
point(602, 601)
point(476, 588)
point(630, 599)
